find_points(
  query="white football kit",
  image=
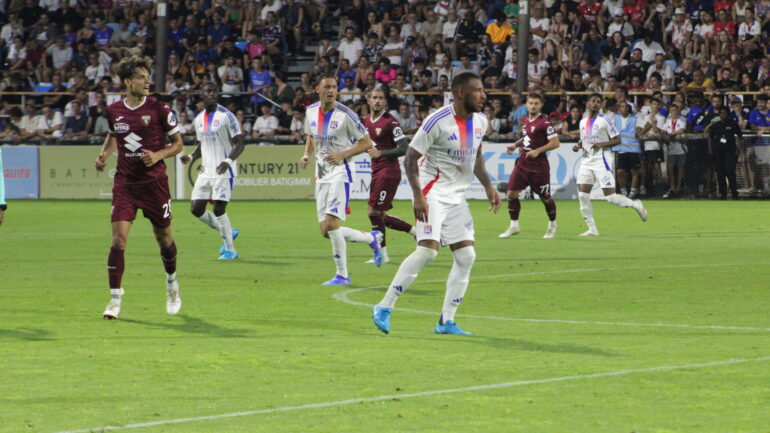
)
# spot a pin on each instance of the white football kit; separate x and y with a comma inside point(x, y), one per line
point(334, 131)
point(597, 164)
point(215, 132)
point(449, 146)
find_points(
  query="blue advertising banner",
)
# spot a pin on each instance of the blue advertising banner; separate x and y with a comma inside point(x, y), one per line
point(20, 169)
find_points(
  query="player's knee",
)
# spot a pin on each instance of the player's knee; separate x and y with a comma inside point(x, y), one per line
point(513, 194)
point(219, 210)
point(119, 242)
point(465, 256)
point(197, 209)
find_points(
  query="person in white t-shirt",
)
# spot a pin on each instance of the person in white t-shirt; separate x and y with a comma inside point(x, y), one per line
point(350, 47)
point(676, 125)
point(597, 136)
point(335, 134)
point(680, 29)
point(266, 124)
point(448, 146)
point(749, 33)
point(220, 142)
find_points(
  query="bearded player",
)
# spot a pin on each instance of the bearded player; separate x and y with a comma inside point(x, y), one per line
point(532, 168)
point(389, 143)
point(140, 127)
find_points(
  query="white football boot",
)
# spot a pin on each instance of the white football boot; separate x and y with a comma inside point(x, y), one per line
point(173, 298)
point(513, 229)
point(551, 232)
point(113, 308)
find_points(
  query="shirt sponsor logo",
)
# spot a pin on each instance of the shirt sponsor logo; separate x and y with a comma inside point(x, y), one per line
point(121, 127)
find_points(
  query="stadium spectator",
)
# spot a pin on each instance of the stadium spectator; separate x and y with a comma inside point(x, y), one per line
point(266, 124)
point(351, 47)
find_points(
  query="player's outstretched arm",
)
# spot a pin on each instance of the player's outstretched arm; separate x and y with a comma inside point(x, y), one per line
point(400, 150)
point(309, 149)
point(361, 146)
point(413, 174)
point(481, 174)
point(234, 154)
point(109, 146)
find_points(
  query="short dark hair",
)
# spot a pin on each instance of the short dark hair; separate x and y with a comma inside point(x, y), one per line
point(534, 95)
point(127, 66)
point(325, 76)
point(371, 91)
point(599, 95)
point(463, 79)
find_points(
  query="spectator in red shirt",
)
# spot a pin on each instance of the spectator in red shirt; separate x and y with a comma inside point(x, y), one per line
point(590, 11)
point(724, 23)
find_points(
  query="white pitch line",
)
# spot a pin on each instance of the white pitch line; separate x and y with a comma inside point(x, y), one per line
point(419, 394)
point(343, 297)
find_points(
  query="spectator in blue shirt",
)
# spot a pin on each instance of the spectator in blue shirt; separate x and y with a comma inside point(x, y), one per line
point(759, 118)
point(259, 79)
point(697, 114)
point(345, 72)
point(204, 54)
point(218, 30)
point(102, 34)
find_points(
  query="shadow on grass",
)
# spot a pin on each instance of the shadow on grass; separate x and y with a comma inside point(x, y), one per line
point(27, 334)
point(194, 325)
point(520, 345)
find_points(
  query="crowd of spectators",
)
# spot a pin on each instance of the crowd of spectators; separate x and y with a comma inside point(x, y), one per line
point(660, 57)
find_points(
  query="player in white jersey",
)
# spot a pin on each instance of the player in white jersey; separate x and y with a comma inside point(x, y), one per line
point(597, 136)
point(331, 127)
point(448, 147)
point(220, 142)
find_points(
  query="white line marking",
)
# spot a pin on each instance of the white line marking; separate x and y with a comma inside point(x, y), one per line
point(419, 394)
point(343, 297)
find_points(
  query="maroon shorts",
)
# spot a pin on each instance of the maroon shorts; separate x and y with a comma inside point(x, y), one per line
point(539, 181)
point(382, 192)
point(153, 199)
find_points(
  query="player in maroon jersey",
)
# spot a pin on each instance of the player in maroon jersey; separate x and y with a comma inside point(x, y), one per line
point(139, 127)
point(389, 143)
point(532, 168)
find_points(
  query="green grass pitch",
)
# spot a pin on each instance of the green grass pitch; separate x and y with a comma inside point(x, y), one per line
point(652, 327)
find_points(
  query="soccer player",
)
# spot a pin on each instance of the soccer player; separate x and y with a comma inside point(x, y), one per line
point(389, 143)
point(597, 136)
point(532, 168)
point(3, 204)
point(139, 127)
point(331, 127)
point(216, 129)
point(450, 141)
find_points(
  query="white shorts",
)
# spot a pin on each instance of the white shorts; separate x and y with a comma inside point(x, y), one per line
point(332, 199)
point(588, 175)
point(213, 188)
point(451, 223)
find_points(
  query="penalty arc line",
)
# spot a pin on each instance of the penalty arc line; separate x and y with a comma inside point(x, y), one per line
point(420, 394)
point(343, 297)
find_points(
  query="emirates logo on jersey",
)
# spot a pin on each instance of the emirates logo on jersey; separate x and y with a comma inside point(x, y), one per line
point(146, 120)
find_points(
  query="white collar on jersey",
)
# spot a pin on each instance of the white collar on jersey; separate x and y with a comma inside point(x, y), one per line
point(125, 102)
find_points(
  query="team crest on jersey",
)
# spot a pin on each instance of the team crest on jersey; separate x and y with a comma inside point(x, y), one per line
point(334, 124)
point(146, 120)
point(216, 123)
point(532, 130)
point(121, 127)
point(377, 130)
point(477, 133)
point(428, 230)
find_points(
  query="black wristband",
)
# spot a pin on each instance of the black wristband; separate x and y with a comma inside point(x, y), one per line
point(3, 207)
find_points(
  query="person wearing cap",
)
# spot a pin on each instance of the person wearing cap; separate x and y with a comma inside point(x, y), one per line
point(619, 24)
point(679, 30)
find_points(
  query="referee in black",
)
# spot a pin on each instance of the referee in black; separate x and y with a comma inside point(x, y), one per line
point(723, 135)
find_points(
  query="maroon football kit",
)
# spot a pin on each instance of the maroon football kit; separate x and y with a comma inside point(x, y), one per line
point(386, 171)
point(136, 186)
point(533, 172)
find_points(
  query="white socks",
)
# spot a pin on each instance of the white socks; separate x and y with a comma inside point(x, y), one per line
point(115, 294)
point(587, 210)
point(171, 277)
point(339, 251)
point(226, 230)
point(210, 220)
point(356, 235)
point(407, 272)
point(620, 200)
point(457, 282)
